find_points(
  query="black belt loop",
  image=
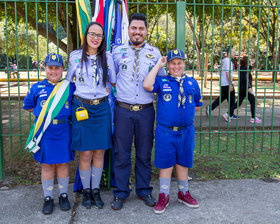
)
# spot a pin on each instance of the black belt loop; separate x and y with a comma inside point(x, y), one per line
point(133, 107)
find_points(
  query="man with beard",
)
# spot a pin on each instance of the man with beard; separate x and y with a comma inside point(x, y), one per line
point(134, 113)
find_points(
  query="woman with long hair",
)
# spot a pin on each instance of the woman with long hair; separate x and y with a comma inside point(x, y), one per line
point(93, 69)
point(245, 85)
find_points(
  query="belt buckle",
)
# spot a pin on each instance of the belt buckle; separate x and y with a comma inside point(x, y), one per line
point(55, 121)
point(94, 102)
point(135, 107)
point(174, 128)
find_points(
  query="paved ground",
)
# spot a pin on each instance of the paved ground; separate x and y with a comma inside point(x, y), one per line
point(221, 201)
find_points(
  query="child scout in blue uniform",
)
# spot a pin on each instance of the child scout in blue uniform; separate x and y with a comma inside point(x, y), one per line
point(178, 99)
point(49, 140)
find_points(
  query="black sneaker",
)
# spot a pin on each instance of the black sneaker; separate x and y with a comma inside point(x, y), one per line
point(48, 206)
point(149, 200)
point(86, 198)
point(64, 202)
point(117, 204)
point(233, 116)
point(96, 199)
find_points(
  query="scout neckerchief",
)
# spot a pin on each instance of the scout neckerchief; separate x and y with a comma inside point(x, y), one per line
point(95, 76)
point(181, 94)
point(136, 61)
point(52, 107)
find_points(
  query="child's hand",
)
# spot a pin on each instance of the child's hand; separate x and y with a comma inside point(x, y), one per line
point(162, 61)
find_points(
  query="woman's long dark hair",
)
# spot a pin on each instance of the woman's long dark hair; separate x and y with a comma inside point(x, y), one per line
point(101, 52)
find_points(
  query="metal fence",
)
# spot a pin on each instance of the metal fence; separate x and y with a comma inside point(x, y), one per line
point(204, 29)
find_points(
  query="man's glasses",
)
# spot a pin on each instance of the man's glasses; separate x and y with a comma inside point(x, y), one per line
point(95, 35)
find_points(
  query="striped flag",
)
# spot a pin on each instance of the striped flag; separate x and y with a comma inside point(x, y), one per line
point(50, 110)
point(117, 37)
point(83, 15)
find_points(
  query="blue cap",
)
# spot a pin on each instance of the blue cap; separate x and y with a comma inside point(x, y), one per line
point(175, 53)
point(54, 60)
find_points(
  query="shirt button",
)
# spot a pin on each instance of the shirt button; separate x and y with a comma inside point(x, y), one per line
point(95, 96)
point(136, 94)
point(136, 84)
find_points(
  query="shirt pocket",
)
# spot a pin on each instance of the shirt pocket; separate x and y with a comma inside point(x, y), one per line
point(190, 95)
point(149, 63)
point(126, 66)
point(80, 76)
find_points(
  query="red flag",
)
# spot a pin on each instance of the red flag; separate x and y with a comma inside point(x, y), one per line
point(100, 17)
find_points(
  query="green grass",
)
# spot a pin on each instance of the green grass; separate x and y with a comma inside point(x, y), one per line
point(217, 156)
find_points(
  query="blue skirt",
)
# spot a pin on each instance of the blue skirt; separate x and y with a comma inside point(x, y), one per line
point(95, 132)
point(55, 145)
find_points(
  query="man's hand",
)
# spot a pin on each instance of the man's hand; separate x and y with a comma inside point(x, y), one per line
point(250, 90)
point(231, 88)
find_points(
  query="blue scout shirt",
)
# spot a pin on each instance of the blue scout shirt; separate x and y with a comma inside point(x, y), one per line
point(84, 80)
point(168, 113)
point(130, 90)
point(38, 95)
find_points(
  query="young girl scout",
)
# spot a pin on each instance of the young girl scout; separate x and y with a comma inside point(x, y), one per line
point(92, 68)
point(49, 140)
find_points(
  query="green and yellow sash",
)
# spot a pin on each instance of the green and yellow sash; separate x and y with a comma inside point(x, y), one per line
point(49, 111)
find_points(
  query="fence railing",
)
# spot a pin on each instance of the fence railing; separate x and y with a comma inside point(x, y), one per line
point(204, 29)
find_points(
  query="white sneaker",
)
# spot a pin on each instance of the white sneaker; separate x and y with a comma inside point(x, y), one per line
point(258, 120)
point(226, 117)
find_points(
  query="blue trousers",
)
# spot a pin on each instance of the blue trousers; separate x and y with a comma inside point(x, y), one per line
point(140, 125)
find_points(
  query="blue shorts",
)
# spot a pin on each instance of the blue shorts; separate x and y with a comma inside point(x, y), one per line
point(174, 147)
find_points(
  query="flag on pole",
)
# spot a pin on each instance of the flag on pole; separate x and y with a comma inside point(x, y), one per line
point(83, 15)
point(117, 37)
point(100, 17)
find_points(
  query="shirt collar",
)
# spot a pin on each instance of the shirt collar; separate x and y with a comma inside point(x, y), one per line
point(52, 83)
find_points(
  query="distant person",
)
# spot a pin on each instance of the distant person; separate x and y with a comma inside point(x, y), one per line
point(178, 98)
point(53, 150)
point(14, 72)
point(226, 86)
point(245, 85)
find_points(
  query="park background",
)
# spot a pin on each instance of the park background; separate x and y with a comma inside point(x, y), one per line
point(204, 29)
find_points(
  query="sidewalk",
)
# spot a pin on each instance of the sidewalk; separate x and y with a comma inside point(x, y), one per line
point(221, 201)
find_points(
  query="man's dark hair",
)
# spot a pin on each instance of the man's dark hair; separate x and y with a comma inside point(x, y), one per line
point(244, 61)
point(228, 50)
point(138, 16)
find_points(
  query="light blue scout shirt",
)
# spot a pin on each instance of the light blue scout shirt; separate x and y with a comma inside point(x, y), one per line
point(131, 90)
point(86, 86)
point(38, 95)
point(168, 113)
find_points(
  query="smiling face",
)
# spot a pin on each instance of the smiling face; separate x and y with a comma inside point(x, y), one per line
point(137, 32)
point(176, 67)
point(94, 38)
point(54, 73)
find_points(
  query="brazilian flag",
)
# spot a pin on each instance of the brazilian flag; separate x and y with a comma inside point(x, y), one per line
point(84, 16)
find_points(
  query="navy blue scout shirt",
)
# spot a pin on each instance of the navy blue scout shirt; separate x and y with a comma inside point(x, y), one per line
point(168, 113)
point(38, 95)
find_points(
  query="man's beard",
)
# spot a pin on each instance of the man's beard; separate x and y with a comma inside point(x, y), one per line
point(137, 43)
